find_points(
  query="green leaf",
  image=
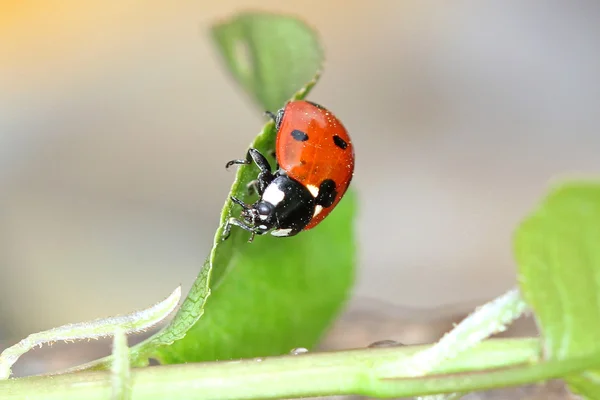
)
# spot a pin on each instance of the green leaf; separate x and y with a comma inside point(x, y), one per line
point(274, 294)
point(270, 55)
point(558, 252)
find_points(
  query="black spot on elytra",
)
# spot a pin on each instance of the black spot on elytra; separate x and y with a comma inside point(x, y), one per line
point(339, 142)
point(327, 193)
point(302, 162)
point(316, 105)
point(299, 135)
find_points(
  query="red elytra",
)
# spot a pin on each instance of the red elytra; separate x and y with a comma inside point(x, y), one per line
point(313, 146)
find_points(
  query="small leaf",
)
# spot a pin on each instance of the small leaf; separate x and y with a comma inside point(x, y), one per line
point(270, 55)
point(558, 252)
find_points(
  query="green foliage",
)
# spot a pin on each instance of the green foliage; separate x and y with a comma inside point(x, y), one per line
point(267, 297)
point(558, 251)
point(274, 294)
point(270, 55)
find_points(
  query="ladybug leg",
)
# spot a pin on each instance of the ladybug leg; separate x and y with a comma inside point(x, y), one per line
point(246, 161)
point(260, 160)
point(234, 221)
point(271, 115)
point(252, 155)
point(240, 203)
point(253, 187)
point(266, 175)
point(275, 117)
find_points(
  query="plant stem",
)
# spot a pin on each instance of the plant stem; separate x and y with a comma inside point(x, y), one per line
point(120, 369)
point(138, 321)
point(347, 372)
point(487, 320)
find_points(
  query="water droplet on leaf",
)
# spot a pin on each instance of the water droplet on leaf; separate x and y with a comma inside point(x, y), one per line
point(385, 343)
point(298, 351)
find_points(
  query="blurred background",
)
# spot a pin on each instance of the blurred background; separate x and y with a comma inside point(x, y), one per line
point(116, 118)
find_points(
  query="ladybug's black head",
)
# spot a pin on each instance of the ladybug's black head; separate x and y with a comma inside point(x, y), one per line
point(261, 216)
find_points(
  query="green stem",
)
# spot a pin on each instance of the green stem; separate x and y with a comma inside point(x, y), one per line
point(347, 372)
point(487, 320)
point(484, 380)
point(138, 321)
point(120, 369)
point(491, 318)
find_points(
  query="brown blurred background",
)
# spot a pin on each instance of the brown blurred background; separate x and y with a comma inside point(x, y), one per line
point(116, 118)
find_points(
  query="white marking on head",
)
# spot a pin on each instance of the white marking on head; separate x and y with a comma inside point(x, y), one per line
point(262, 226)
point(318, 210)
point(313, 190)
point(273, 195)
point(281, 232)
point(262, 217)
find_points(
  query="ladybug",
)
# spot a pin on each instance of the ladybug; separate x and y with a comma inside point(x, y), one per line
point(315, 164)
